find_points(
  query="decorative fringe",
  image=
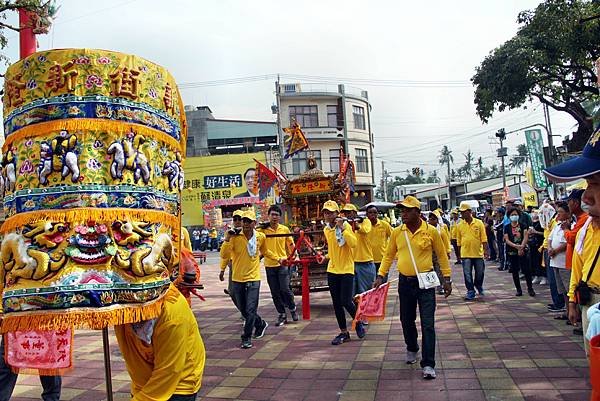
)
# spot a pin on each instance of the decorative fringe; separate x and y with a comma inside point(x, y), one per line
point(107, 215)
point(76, 124)
point(43, 372)
point(90, 318)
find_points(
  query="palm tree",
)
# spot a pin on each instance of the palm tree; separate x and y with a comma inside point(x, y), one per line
point(468, 167)
point(519, 160)
point(479, 165)
point(494, 171)
point(446, 158)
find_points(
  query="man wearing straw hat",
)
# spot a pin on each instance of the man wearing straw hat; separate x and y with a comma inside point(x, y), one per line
point(413, 244)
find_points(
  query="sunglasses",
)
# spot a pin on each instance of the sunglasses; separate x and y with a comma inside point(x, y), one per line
point(237, 218)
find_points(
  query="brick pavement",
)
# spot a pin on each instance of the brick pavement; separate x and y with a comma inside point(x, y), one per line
point(500, 348)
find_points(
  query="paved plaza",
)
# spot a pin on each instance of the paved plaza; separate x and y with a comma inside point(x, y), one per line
point(498, 348)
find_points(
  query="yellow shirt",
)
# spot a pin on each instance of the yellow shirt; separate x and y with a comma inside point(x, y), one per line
point(245, 268)
point(185, 238)
point(582, 262)
point(363, 251)
point(212, 234)
point(423, 242)
point(470, 238)
point(443, 231)
point(279, 245)
point(341, 258)
point(379, 237)
point(174, 362)
point(547, 232)
point(453, 224)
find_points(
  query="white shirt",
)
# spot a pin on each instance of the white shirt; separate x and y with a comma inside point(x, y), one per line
point(556, 238)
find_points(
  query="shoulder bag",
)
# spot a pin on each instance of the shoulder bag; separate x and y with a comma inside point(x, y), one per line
point(583, 293)
point(428, 279)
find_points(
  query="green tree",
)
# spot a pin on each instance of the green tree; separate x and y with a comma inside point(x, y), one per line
point(468, 166)
point(45, 10)
point(519, 161)
point(445, 158)
point(549, 59)
point(479, 166)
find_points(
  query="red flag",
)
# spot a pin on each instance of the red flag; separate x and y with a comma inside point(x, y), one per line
point(281, 178)
point(265, 179)
point(371, 305)
point(295, 140)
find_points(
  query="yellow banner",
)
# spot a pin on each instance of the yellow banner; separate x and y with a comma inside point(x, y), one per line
point(215, 181)
point(530, 199)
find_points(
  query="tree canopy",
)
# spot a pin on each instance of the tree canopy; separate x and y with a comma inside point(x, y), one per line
point(550, 59)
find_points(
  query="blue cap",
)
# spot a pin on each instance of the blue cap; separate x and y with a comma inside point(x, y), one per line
point(581, 166)
point(575, 194)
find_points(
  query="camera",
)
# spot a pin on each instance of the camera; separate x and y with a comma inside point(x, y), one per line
point(235, 231)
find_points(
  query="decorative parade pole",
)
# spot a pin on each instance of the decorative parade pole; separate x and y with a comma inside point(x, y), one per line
point(27, 41)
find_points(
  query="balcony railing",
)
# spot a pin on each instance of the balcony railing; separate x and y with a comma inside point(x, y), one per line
point(308, 88)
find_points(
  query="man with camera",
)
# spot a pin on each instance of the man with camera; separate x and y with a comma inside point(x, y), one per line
point(279, 240)
point(584, 288)
point(364, 268)
point(244, 250)
point(413, 244)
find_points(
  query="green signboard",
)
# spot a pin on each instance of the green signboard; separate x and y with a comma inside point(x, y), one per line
point(535, 147)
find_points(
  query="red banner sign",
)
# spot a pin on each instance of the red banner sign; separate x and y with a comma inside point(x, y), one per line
point(42, 350)
point(311, 187)
point(371, 305)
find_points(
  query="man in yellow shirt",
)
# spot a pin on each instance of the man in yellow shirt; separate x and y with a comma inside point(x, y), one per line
point(164, 356)
point(379, 235)
point(454, 220)
point(212, 238)
point(364, 268)
point(237, 228)
point(435, 219)
point(413, 244)
point(341, 241)
point(244, 250)
point(278, 276)
point(586, 253)
point(472, 245)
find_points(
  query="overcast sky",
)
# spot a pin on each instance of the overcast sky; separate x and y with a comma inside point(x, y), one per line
point(429, 42)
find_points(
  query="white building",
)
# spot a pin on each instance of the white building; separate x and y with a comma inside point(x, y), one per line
point(331, 116)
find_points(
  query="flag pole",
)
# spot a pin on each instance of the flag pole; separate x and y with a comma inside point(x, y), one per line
point(107, 370)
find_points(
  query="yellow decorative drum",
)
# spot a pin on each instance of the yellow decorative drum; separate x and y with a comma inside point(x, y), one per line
point(91, 177)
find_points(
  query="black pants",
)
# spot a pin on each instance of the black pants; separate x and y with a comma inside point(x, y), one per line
point(246, 299)
point(535, 258)
point(279, 284)
point(183, 397)
point(341, 288)
point(8, 379)
point(500, 243)
point(411, 296)
point(520, 264)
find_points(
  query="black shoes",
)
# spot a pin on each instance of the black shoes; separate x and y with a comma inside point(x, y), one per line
point(341, 338)
point(281, 320)
point(294, 314)
point(531, 292)
point(260, 332)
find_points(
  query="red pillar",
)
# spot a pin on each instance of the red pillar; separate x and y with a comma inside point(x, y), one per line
point(305, 290)
point(28, 44)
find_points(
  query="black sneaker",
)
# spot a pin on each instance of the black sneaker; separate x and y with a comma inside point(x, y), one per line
point(360, 330)
point(578, 331)
point(519, 294)
point(531, 292)
point(554, 309)
point(281, 320)
point(246, 344)
point(260, 332)
point(341, 338)
point(294, 314)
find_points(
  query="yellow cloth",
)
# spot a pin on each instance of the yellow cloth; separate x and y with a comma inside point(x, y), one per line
point(470, 238)
point(582, 262)
point(379, 238)
point(445, 234)
point(212, 234)
point(363, 251)
point(245, 267)
point(341, 258)
point(174, 362)
point(185, 241)
point(547, 232)
point(279, 245)
point(423, 242)
point(453, 225)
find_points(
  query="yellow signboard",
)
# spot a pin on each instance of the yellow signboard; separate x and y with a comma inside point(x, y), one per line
point(530, 199)
point(217, 180)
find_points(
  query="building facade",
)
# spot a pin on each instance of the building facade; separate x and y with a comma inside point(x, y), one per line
point(334, 118)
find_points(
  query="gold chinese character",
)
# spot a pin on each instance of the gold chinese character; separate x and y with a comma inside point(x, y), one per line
point(168, 99)
point(13, 91)
point(125, 82)
point(60, 76)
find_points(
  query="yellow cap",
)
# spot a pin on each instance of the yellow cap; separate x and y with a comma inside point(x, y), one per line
point(464, 206)
point(437, 214)
point(454, 211)
point(238, 212)
point(332, 206)
point(249, 214)
point(410, 202)
point(350, 207)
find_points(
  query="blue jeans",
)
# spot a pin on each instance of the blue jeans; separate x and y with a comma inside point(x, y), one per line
point(8, 379)
point(479, 265)
point(410, 296)
point(557, 299)
point(364, 276)
point(246, 299)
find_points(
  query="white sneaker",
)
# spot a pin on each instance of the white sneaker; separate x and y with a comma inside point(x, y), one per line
point(543, 281)
point(536, 280)
point(411, 357)
point(428, 373)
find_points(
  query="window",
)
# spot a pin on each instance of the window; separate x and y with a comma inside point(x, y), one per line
point(306, 116)
point(334, 160)
point(362, 161)
point(359, 117)
point(332, 116)
point(299, 161)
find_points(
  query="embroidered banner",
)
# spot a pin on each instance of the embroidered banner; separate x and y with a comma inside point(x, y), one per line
point(49, 351)
point(371, 304)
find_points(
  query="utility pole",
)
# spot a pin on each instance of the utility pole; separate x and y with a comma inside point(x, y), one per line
point(279, 130)
point(384, 181)
point(549, 132)
point(502, 153)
